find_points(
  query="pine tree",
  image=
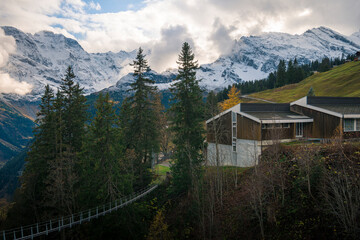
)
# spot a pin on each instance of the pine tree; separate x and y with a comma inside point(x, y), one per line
point(187, 116)
point(325, 65)
point(233, 99)
point(211, 105)
point(281, 74)
point(42, 151)
point(290, 73)
point(101, 176)
point(140, 124)
point(74, 111)
point(272, 80)
point(70, 116)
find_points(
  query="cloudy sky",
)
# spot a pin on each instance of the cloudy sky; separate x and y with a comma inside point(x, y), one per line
point(209, 26)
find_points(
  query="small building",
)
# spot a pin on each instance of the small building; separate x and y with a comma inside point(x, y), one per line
point(332, 116)
point(237, 136)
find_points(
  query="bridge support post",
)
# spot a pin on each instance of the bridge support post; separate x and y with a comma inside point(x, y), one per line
point(80, 217)
point(70, 221)
point(37, 227)
point(50, 225)
point(32, 233)
point(46, 230)
point(22, 232)
point(97, 212)
point(4, 237)
point(14, 235)
point(89, 215)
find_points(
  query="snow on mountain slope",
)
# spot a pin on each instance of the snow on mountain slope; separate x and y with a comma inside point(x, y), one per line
point(356, 37)
point(255, 57)
point(42, 58)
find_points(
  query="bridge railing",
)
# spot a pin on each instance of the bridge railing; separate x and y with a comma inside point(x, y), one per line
point(58, 224)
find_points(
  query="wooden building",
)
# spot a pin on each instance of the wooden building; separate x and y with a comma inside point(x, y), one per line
point(237, 135)
point(333, 116)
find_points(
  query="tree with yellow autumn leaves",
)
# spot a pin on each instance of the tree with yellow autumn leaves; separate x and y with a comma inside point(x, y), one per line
point(234, 99)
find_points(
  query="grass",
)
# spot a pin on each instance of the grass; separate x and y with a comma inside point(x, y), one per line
point(160, 173)
point(341, 81)
point(161, 170)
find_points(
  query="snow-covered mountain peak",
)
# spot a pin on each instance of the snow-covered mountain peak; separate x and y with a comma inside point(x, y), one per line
point(42, 58)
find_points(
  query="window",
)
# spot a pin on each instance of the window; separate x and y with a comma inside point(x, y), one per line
point(286, 125)
point(233, 117)
point(234, 122)
point(299, 129)
point(358, 124)
point(349, 125)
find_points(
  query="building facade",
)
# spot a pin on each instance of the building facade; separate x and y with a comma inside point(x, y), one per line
point(237, 136)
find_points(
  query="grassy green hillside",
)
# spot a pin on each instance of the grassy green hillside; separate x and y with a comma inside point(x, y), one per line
point(341, 81)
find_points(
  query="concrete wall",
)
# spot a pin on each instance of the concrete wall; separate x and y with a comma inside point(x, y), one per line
point(247, 154)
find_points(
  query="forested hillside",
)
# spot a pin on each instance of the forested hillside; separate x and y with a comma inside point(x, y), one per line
point(77, 163)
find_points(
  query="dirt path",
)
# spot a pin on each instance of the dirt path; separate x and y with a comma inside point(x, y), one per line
point(257, 99)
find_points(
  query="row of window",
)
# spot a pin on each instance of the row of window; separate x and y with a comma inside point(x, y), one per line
point(351, 125)
point(275, 125)
point(234, 121)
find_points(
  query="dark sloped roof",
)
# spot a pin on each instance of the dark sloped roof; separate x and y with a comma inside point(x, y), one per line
point(265, 107)
point(340, 108)
point(333, 100)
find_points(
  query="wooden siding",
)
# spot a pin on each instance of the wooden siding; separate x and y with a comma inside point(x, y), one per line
point(223, 129)
point(279, 133)
point(324, 125)
point(247, 128)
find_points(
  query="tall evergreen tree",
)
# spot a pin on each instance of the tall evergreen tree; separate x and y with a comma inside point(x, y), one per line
point(272, 80)
point(140, 128)
point(101, 164)
point(187, 116)
point(74, 111)
point(41, 152)
point(281, 74)
point(290, 73)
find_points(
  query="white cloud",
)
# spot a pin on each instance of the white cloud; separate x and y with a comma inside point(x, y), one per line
point(95, 6)
point(210, 24)
point(8, 84)
point(7, 46)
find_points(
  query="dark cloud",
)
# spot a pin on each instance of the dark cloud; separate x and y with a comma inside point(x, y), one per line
point(221, 38)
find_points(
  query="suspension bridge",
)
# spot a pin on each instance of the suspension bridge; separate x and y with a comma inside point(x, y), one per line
point(56, 225)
